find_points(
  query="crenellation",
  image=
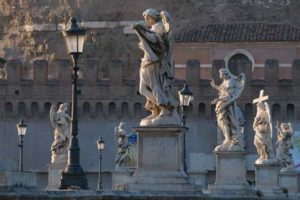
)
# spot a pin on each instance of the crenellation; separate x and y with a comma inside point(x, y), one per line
point(120, 107)
point(40, 71)
point(290, 112)
point(64, 71)
point(116, 72)
point(14, 70)
point(246, 68)
point(193, 72)
point(216, 66)
point(296, 71)
point(91, 72)
point(271, 71)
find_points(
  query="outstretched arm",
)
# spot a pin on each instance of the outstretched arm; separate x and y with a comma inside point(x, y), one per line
point(213, 85)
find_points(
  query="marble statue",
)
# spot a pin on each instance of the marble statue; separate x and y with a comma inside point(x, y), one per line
point(122, 145)
point(229, 116)
point(60, 121)
point(157, 68)
point(284, 145)
point(262, 126)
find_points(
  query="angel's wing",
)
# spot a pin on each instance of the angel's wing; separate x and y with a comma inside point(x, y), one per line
point(270, 117)
point(240, 84)
point(52, 115)
point(168, 38)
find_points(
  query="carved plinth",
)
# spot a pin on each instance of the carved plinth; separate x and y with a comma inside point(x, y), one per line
point(54, 175)
point(160, 160)
point(290, 181)
point(266, 179)
point(231, 174)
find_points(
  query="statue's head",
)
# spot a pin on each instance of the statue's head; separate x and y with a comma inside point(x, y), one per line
point(224, 73)
point(151, 16)
point(63, 107)
point(285, 126)
point(122, 125)
point(261, 106)
point(286, 131)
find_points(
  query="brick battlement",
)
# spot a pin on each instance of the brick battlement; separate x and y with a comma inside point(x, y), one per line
point(116, 97)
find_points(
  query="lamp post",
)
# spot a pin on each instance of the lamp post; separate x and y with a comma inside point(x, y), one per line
point(100, 146)
point(73, 177)
point(21, 127)
point(185, 97)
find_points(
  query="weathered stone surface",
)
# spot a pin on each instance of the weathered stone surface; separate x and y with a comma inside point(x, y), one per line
point(231, 175)
point(24, 179)
point(160, 160)
point(54, 175)
point(290, 181)
point(267, 181)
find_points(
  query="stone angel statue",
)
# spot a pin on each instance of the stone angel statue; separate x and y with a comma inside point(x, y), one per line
point(262, 126)
point(284, 145)
point(157, 67)
point(121, 139)
point(60, 121)
point(229, 116)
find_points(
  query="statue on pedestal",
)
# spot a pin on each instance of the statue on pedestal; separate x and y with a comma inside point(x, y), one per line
point(262, 126)
point(157, 68)
point(122, 144)
point(229, 116)
point(284, 145)
point(60, 121)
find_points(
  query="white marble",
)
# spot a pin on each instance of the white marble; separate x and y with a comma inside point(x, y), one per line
point(160, 160)
point(262, 126)
point(230, 119)
point(157, 68)
point(60, 121)
point(284, 145)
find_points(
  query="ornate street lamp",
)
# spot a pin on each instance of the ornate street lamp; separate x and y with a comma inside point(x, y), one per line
point(21, 127)
point(185, 97)
point(73, 177)
point(100, 146)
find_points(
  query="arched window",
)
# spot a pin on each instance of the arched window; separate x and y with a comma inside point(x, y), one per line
point(137, 110)
point(21, 109)
point(47, 107)
point(201, 110)
point(111, 109)
point(290, 112)
point(249, 111)
point(189, 111)
point(124, 110)
point(34, 111)
point(99, 109)
point(276, 112)
point(86, 109)
point(8, 109)
point(213, 112)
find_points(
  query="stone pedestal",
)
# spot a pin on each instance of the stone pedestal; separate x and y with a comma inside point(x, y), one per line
point(54, 175)
point(121, 179)
point(160, 160)
point(290, 181)
point(231, 174)
point(267, 181)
